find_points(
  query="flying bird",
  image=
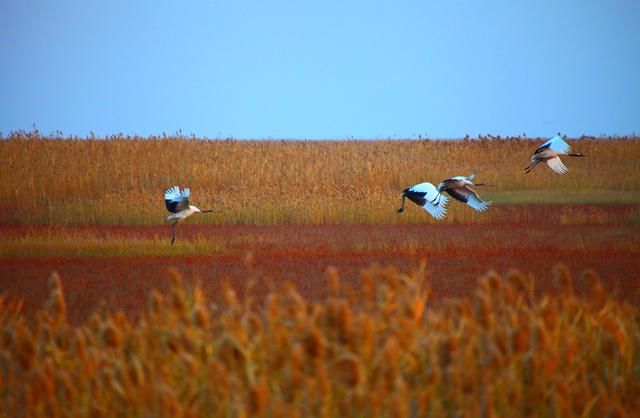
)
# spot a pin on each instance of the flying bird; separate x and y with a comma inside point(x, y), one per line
point(427, 196)
point(177, 202)
point(550, 153)
point(458, 188)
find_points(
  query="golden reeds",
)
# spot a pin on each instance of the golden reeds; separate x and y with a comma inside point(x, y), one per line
point(121, 181)
point(506, 352)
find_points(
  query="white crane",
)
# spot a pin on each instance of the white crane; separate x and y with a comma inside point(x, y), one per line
point(458, 188)
point(550, 153)
point(427, 196)
point(177, 202)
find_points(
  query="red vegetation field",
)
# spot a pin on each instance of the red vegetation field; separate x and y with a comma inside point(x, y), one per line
point(257, 258)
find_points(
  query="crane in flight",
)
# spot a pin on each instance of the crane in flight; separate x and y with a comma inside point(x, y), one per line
point(458, 188)
point(177, 202)
point(550, 153)
point(426, 196)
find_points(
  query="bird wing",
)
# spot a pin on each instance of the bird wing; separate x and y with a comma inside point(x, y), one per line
point(451, 182)
point(458, 194)
point(437, 211)
point(557, 165)
point(175, 199)
point(470, 197)
point(425, 190)
point(556, 144)
point(426, 195)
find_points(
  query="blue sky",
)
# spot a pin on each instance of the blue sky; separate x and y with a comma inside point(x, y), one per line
point(329, 69)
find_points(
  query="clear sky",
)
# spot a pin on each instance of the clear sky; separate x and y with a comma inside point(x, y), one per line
point(321, 69)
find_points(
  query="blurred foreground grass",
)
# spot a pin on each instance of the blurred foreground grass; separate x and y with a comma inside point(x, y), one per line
point(381, 351)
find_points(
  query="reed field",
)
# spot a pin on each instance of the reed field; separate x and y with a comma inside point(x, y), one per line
point(305, 294)
point(381, 350)
point(121, 181)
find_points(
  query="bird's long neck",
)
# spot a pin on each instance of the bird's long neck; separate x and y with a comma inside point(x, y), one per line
point(401, 209)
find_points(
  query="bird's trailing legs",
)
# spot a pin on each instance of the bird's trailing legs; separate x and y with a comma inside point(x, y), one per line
point(528, 170)
point(438, 197)
point(173, 238)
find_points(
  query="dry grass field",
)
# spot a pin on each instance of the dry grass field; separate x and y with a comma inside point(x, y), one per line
point(121, 181)
point(306, 294)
